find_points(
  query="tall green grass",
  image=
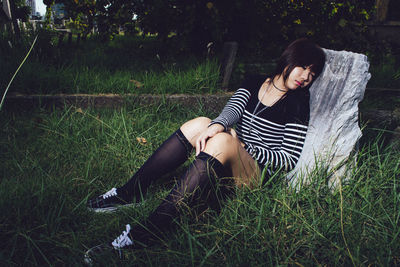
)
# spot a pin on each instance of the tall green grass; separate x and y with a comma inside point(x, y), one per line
point(51, 163)
point(16, 72)
point(117, 66)
point(198, 78)
point(124, 66)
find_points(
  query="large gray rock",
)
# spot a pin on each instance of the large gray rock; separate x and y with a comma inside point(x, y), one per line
point(333, 129)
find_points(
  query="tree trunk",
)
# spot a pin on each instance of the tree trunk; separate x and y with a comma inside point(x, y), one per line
point(381, 10)
point(69, 38)
point(60, 39)
point(90, 26)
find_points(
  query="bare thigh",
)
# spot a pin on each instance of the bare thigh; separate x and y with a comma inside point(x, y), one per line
point(226, 148)
point(192, 129)
point(246, 168)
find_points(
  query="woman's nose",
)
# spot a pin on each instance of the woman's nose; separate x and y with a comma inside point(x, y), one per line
point(305, 75)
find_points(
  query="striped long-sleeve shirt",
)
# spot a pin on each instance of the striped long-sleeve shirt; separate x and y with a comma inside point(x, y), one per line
point(274, 137)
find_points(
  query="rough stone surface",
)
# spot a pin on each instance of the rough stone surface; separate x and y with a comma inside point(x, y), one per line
point(333, 130)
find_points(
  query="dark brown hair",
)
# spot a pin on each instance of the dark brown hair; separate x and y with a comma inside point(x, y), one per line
point(300, 53)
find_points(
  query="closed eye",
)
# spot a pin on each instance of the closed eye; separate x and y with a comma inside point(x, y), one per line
point(309, 68)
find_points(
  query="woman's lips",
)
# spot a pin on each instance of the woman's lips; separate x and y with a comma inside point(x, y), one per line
point(298, 83)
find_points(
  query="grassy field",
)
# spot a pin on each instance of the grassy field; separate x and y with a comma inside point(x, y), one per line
point(51, 163)
point(125, 65)
point(133, 64)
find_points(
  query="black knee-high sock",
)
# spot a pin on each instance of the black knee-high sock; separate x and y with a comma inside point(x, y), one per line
point(197, 183)
point(170, 155)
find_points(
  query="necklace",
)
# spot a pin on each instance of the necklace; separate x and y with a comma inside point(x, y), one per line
point(255, 112)
point(277, 87)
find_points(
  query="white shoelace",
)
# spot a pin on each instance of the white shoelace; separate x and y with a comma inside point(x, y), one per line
point(123, 240)
point(112, 192)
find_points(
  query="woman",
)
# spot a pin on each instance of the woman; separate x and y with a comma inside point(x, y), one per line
point(271, 117)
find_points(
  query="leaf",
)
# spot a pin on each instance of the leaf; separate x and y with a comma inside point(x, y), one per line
point(136, 83)
point(297, 21)
point(141, 140)
point(79, 110)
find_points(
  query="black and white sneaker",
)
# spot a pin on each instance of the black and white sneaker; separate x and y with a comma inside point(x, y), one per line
point(107, 202)
point(123, 241)
point(98, 252)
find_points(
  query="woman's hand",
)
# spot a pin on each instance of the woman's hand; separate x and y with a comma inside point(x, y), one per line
point(210, 132)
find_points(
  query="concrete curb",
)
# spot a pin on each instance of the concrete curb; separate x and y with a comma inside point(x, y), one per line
point(213, 103)
point(210, 103)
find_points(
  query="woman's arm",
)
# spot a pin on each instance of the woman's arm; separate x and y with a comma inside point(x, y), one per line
point(233, 110)
point(231, 113)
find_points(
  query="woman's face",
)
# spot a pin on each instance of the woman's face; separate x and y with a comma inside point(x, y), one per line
point(299, 77)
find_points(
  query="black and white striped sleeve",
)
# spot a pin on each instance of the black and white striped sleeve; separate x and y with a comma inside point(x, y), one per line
point(233, 110)
point(286, 156)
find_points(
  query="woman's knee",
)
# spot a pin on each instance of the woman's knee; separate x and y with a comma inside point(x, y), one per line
point(191, 129)
point(223, 146)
